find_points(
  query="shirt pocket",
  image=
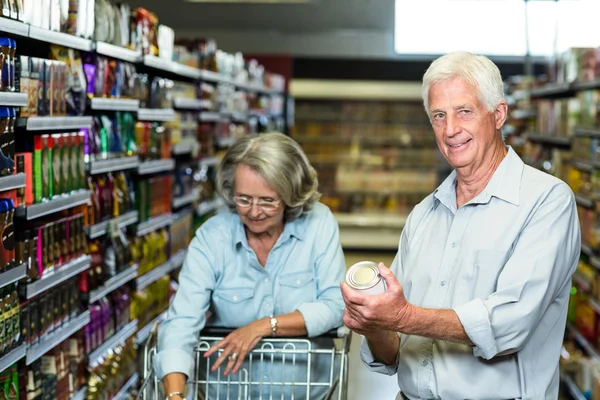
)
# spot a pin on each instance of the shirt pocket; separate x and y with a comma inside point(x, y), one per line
point(234, 306)
point(480, 277)
point(294, 290)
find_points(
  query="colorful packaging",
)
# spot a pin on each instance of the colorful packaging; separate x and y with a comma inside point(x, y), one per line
point(57, 158)
point(24, 83)
point(34, 86)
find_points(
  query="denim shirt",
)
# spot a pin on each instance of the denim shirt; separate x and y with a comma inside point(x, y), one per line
point(302, 272)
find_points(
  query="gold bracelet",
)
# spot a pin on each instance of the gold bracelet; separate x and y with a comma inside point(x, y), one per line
point(274, 323)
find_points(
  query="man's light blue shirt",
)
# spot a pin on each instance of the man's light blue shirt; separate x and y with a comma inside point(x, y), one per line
point(303, 272)
point(503, 262)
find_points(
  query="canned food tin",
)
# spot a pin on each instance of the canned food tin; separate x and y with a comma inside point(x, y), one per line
point(364, 277)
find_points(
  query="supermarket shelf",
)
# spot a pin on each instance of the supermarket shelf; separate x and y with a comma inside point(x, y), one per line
point(587, 132)
point(549, 140)
point(8, 25)
point(101, 228)
point(144, 333)
point(12, 357)
point(182, 103)
point(210, 162)
point(156, 166)
point(154, 224)
point(162, 270)
point(55, 123)
point(582, 341)
point(172, 67)
point(371, 220)
point(234, 116)
point(186, 200)
point(58, 336)
point(582, 282)
point(80, 395)
point(572, 388)
point(226, 141)
point(55, 205)
point(156, 114)
point(183, 148)
point(102, 104)
point(584, 201)
point(583, 165)
point(61, 39)
point(63, 273)
point(210, 206)
point(211, 116)
point(587, 85)
point(113, 164)
point(587, 250)
point(213, 77)
point(113, 284)
point(13, 275)
point(116, 339)
point(131, 383)
point(12, 181)
point(595, 306)
point(523, 114)
point(553, 90)
point(121, 53)
point(11, 99)
point(595, 262)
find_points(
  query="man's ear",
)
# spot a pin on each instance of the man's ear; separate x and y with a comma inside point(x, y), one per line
point(501, 113)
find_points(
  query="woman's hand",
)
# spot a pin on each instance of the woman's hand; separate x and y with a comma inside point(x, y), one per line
point(238, 344)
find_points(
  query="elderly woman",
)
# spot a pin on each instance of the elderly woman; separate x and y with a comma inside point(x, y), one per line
point(270, 267)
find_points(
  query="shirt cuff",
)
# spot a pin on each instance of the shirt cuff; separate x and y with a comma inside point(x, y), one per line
point(173, 360)
point(366, 355)
point(319, 318)
point(475, 318)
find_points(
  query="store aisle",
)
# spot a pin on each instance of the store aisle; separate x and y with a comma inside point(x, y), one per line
point(363, 384)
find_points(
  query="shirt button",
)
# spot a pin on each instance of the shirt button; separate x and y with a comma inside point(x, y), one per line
point(424, 363)
point(235, 298)
point(266, 279)
point(453, 244)
point(298, 282)
point(443, 283)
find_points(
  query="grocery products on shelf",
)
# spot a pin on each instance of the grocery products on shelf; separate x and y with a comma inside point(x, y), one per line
point(148, 303)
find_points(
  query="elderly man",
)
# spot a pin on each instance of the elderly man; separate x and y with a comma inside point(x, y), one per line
point(477, 295)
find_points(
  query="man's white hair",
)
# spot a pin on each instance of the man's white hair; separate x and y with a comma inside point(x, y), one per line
point(478, 71)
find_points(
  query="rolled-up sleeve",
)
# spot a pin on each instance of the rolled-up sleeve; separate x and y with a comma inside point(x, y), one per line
point(541, 265)
point(327, 311)
point(178, 334)
point(366, 355)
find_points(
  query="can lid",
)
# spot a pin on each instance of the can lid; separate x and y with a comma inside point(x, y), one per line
point(363, 275)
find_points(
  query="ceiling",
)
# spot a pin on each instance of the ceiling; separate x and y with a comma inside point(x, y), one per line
point(318, 17)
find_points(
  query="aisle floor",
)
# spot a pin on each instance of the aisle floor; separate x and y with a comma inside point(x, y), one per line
point(363, 384)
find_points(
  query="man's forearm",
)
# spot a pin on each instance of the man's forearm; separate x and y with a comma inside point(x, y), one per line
point(434, 324)
point(385, 346)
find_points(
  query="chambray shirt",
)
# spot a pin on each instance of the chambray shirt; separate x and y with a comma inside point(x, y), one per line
point(503, 262)
point(221, 271)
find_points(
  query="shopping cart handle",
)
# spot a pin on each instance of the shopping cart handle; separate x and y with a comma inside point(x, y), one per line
point(340, 332)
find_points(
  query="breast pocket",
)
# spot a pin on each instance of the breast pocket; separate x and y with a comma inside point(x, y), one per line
point(479, 276)
point(295, 289)
point(233, 305)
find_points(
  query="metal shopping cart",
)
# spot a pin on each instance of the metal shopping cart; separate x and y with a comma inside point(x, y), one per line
point(277, 368)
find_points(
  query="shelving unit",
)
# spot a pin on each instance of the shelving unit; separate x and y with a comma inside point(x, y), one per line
point(56, 123)
point(122, 394)
point(572, 388)
point(156, 114)
point(171, 265)
point(182, 201)
point(118, 52)
point(58, 336)
point(13, 275)
point(153, 224)
point(156, 166)
point(210, 206)
point(12, 357)
point(123, 221)
point(61, 203)
point(12, 182)
point(60, 275)
point(114, 283)
point(144, 333)
point(61, 39)
point(106, 104)
point(117, 338)
point(96, 167)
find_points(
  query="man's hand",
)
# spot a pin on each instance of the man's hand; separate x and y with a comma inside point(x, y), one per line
point(239, 342)
point(369, 314)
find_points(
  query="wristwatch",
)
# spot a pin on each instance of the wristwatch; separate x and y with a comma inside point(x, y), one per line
point(170, 395)
point(274, 323)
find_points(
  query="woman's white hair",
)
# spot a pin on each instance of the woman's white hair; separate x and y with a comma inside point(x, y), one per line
point(478, 71)
point(281, 163)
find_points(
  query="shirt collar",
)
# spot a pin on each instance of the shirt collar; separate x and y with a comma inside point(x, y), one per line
point(295, 228)
point(505, 184)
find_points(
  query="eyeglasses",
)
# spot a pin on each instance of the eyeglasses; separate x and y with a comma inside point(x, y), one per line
point(247, 202)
